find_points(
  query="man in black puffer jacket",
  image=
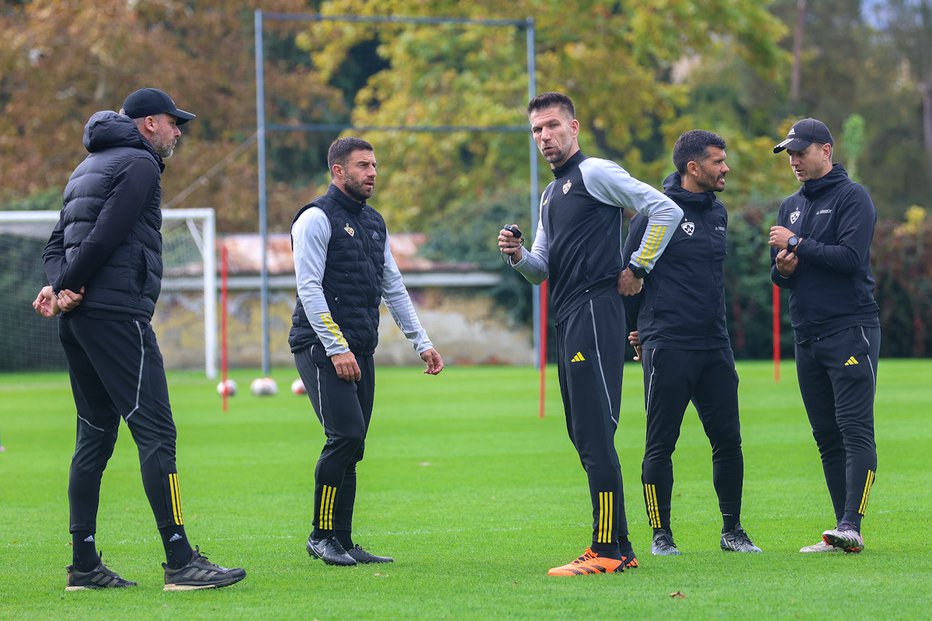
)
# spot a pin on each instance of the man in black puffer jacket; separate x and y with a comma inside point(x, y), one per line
point(104, 265)
point(679, 329)
point(820, 249)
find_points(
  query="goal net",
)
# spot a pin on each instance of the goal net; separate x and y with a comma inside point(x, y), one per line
point(185, 318)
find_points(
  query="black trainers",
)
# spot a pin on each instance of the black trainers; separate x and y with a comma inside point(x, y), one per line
point(101, 577)
point(361, 555)
point(737, 540)
point(330, 551)
point(662, 544)
point(200, 573)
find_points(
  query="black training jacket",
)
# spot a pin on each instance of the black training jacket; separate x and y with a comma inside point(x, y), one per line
point(682, 305)
point(108, 238)
point(832, 287)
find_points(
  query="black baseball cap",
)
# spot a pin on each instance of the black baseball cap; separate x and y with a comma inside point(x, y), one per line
point(150, 101)
point(804, 133)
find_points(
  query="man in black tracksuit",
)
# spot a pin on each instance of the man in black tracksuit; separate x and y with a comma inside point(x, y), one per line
point(679, 330)
point(577, 247)
point(821, 253)
point(344, 268)
point(104, 265)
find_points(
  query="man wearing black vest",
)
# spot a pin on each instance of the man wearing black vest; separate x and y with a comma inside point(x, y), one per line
point(577, 248)
point(820, 249)
point(104, 265)
point(680, 332)
point(344, 267)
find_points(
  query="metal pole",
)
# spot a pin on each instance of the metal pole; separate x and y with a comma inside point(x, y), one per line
point(210, 295)
point(535, 190)
point(263, 218)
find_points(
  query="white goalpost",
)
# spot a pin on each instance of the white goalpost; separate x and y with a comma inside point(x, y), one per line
point(188, 300)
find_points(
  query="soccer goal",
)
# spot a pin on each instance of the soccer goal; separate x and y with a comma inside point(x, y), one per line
point(185, 318)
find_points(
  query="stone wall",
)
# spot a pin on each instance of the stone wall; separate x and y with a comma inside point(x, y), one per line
point(463, 324)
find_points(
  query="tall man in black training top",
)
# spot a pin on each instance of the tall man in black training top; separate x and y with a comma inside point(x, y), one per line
point(577, 247)
point(344, 267)
point(680, 329)
point(104, 263)
point(821, 253)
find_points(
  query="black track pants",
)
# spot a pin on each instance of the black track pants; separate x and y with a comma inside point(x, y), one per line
point(590, 350)
point(344, 409)
point(117, 372)
point(837, 379)
point(673, 378)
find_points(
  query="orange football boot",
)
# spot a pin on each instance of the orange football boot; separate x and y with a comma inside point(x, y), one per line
point(589, 563)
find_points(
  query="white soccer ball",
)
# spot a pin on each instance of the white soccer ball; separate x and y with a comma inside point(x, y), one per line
point(263, 387)
point(297, 387)
point(226, 387)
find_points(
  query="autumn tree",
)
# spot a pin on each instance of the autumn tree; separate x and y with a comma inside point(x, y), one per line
point(62, 60)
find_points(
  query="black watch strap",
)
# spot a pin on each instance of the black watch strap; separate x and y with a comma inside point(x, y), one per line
point(639, 272)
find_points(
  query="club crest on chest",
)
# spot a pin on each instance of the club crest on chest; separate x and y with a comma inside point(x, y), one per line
point(689, 228)
point(794, 217)
point(349, 230)
point(567, 186)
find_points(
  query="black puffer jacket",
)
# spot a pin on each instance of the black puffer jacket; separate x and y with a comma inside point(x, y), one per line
point(352, 281)
point(107, 239)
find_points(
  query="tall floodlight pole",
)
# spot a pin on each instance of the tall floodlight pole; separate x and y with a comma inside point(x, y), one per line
point(531, 93)
point(263, 217)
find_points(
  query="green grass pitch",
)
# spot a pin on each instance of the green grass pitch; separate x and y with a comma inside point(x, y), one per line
point(476, 498)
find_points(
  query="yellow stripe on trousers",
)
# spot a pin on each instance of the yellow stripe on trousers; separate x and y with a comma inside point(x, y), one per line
point(606, 514)
point(653, 509)
point(867, 492)
point(327, 496)
point(175, 490)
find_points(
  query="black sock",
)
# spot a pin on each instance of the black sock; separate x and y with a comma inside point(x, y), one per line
point(667, 530)
point(84, 550)
point(849, 522)
point(730, 521)
point(320, 533)
point(178, 550)
point(345, 538)
point(606, 550)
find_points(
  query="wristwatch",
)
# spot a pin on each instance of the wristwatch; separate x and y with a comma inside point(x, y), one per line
point(792, 243)
point(639, 272)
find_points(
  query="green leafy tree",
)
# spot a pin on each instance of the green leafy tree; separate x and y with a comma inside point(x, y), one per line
point(617, 60)
point(902, 264)
point(852, 138)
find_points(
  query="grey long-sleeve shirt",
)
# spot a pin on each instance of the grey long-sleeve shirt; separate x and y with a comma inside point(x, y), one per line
point(311, 235)
point(578, 242)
